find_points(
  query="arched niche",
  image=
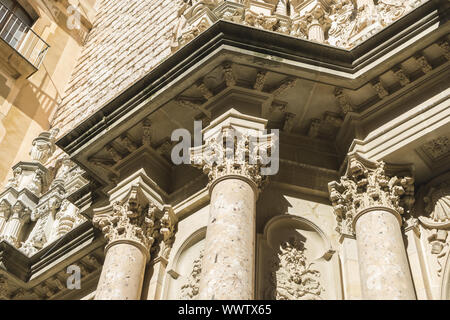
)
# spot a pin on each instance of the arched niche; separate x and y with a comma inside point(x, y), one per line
point(296, 262)
point(180, 269)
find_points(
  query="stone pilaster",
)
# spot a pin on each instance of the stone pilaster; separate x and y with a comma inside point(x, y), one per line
point(228, 268)
point(370, 202)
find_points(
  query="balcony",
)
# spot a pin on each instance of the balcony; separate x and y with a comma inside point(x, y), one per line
point(21, 49)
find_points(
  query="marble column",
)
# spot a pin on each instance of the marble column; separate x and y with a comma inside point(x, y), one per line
point(123, 272)
point(372, 202)
point(228, 267)
point(128, 229)
point(383, 263)
point(229, 258)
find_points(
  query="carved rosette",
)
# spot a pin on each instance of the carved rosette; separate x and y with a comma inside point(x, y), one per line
point(367, 186)
point(292, 277)
point(234, 153)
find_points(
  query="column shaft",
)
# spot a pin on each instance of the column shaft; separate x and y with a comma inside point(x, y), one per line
point(12, 230)
point(385, 272)
point(315, 32)
point(228, 265)
point(122, 274)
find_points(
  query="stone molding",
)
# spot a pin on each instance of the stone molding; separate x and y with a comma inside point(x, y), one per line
point(366, 186)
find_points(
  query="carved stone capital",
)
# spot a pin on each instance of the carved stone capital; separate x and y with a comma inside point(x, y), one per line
point(234, 153)
point(367, 186)
point(43, 146)
point(136, 220)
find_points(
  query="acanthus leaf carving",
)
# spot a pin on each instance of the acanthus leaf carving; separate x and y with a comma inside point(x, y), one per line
point(138, 220)
point(229, 151)
point(367, 185)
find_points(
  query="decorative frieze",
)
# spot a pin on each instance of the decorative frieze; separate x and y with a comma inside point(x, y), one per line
point(367, 185)
point(293, 277)
point(342, 23)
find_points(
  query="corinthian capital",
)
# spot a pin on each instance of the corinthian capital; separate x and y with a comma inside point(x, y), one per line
point(128, 221)
point(367, 185)
point(233, 152)
point(135, 220)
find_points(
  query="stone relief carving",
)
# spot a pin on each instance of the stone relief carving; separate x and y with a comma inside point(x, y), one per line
point(365, 186)
point(190, 290)
point(143, 223)
point(342, 23)
point(50, 186)
point(44, 146)
point(292, 276)
point(437, 223)
point(212, 156)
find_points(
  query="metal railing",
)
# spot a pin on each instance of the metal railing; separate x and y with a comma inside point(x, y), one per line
point(19, 36)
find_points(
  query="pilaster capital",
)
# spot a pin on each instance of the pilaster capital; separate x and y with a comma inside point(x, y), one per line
point(367, 186)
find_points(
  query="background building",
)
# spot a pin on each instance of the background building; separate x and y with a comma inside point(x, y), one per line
point(94, 90)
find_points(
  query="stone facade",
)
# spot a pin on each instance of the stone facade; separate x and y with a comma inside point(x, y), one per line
point(307, 160)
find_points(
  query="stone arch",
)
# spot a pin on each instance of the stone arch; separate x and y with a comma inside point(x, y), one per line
point(291, 245)
point(180, 266)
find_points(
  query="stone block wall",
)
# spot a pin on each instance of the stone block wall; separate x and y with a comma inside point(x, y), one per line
point(129, 38)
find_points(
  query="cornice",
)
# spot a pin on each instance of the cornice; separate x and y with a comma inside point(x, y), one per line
point(351, 69)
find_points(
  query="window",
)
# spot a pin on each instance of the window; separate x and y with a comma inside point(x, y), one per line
point(14, 22)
